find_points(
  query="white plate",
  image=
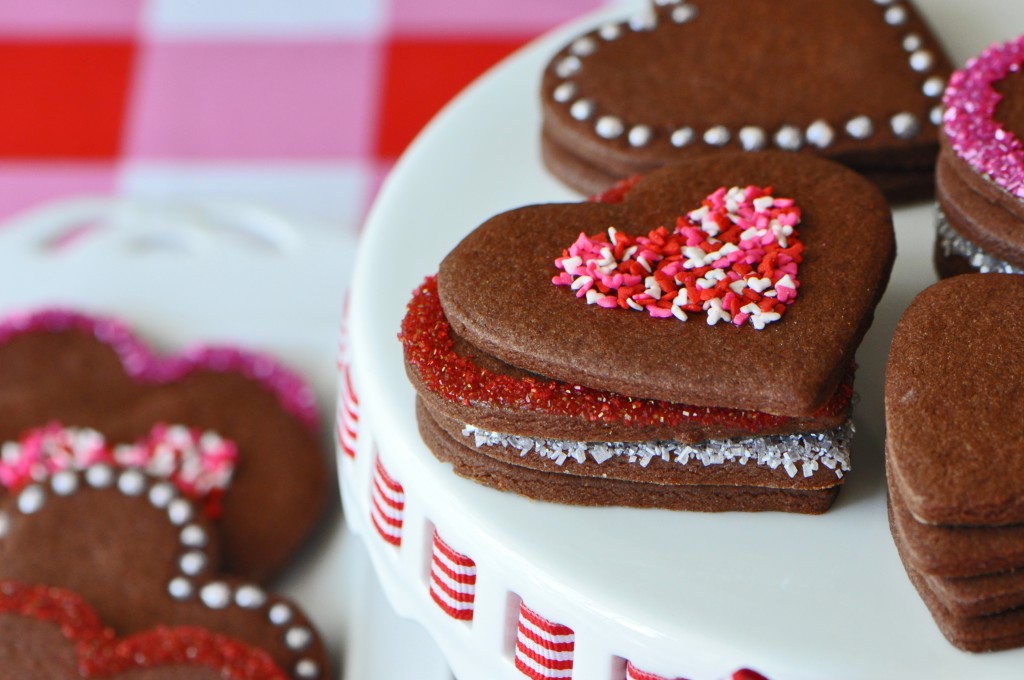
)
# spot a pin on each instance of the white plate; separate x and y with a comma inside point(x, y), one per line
point(680, 594)
point(226, 273)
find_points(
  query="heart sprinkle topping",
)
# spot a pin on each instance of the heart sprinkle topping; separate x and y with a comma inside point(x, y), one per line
point(736, 258)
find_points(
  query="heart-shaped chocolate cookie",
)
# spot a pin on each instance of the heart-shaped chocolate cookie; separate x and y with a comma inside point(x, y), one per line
point(524, 386)
point(954, 419)
point(980, 177)
point(857, 81)
point(56, 634)
point(497, 294)
point(955, 426)
point(142, 555)
point(93, 373)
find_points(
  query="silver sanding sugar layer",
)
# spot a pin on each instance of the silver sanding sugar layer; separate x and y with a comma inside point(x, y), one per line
point(952, 243)
point(796, 453)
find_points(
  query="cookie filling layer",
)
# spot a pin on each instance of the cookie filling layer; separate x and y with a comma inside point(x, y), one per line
point(953, 244)
point(801, 453)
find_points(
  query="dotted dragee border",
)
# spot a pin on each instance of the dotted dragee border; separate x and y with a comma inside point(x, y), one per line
point(193, 540)
point(953, 242)
point(820, 133)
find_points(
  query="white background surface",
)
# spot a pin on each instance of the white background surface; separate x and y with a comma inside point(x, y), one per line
point(792, 596)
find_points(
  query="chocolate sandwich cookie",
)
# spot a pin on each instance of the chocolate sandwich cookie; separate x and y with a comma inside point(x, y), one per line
point(857, 81)
point(980, 175)
point(694, 336)
point(94, 374)
point(107, 552)
point(955, 426)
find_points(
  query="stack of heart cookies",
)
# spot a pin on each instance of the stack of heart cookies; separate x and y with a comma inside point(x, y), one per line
point(687, 342)
point(955, 423)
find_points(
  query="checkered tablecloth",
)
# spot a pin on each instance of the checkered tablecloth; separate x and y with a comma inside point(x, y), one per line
point(300, 105)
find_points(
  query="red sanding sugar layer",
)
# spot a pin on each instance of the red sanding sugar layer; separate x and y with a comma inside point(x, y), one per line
point(426, 337)
point(101, 655)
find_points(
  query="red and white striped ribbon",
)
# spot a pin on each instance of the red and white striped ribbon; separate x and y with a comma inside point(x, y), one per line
point(347, 425)
point(544, 649)
point(348, 414)
point(387, 505)
point(634, 673)
point(452, 580)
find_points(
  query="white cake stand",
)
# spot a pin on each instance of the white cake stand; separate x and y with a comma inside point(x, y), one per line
point(676, 594)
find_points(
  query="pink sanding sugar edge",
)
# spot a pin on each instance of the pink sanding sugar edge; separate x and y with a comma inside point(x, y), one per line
point(969, 119)
point(142, 364)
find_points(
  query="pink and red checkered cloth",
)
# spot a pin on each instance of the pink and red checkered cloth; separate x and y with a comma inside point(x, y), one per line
point(300, 105)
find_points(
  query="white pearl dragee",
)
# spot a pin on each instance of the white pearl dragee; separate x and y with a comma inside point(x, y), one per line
point(193, 541)
point(99, 476)
point(564, 92)
point(639, 135)
point(64, 483)
point(752, 138)
point(717, 136)
point(790, 137)
point(250, 597)
point(31, 499)
point(905, 125)
point(860, 127)
point(820, 134)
